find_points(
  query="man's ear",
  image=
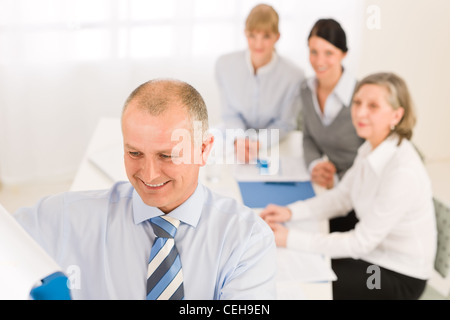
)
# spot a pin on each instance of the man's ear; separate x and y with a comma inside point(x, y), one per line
point(207, 145)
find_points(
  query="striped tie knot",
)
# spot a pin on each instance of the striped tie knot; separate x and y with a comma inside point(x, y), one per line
point(165, 226)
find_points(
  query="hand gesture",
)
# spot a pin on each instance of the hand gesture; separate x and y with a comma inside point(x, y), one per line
point(323, 174)
point(246, 150)
point(275, 213)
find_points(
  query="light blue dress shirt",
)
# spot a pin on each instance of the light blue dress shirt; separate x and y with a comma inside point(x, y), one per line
point(103, 239)
point(269, 99)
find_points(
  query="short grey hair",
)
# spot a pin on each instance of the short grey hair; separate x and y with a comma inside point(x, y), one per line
point(157, 95)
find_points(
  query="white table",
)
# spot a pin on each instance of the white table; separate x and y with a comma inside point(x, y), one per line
point(108, 136)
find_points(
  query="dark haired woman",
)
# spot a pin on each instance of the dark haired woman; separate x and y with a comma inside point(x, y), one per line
point(330, 141)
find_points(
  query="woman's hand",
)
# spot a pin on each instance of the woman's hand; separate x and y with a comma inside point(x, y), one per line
point(323, 174)
point(246, 150)
point(274, 213)
point(280, 232)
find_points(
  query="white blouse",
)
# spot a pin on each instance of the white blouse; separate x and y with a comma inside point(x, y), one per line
point(269, 99)
point(390, 191)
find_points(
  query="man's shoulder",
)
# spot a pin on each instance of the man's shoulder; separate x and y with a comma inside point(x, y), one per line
point(115, 193)
point(79, 207)
point(224, 203)
point(78, 202)
point(230, 211)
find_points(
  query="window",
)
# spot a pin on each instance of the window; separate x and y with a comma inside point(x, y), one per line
point(71, 30)
point(66, 63)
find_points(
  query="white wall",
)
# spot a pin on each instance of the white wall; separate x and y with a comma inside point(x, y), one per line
point(60, 71)
point(48, 110)
point(413, 41)
point(48, 113)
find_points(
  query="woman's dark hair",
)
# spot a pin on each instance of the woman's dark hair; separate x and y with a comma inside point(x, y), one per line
point(331, 31)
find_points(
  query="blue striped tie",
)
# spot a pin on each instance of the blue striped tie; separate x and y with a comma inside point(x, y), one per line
point(164, 275)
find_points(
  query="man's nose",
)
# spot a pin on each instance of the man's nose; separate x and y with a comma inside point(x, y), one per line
point(150, 170)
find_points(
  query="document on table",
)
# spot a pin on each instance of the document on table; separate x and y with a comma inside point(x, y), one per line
point(289, 169)
point(299, 266)
point(260, 194)
point(294, 265)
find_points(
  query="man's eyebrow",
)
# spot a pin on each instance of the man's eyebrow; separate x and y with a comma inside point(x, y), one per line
point(165, 151)
point(128, 146)
point(168, 151)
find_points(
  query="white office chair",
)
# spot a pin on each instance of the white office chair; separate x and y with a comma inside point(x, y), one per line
point(442, 261)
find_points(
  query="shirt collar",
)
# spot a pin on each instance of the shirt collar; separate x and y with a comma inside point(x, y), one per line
point(312, 84)
point(379, 158)
point(343, 89)
point(264, 69)
point(188, 212)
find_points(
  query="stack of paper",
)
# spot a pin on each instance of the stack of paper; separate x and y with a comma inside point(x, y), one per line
point(287, 169)
point(300, 266)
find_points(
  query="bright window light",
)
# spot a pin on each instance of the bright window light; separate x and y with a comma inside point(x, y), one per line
point(79, 30)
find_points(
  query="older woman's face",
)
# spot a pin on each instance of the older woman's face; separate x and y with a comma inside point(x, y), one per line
point(372, 115)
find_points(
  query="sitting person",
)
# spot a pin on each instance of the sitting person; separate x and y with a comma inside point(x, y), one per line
point(259, 88)
point(162, 235)
point(330, 141)
point(390, 192)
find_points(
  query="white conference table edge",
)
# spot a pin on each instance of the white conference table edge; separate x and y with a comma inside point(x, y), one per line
point(90, 177)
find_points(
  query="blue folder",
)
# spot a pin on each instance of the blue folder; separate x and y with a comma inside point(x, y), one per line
point(260, 194)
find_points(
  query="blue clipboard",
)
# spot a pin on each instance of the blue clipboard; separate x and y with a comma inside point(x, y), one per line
point(260, 194)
